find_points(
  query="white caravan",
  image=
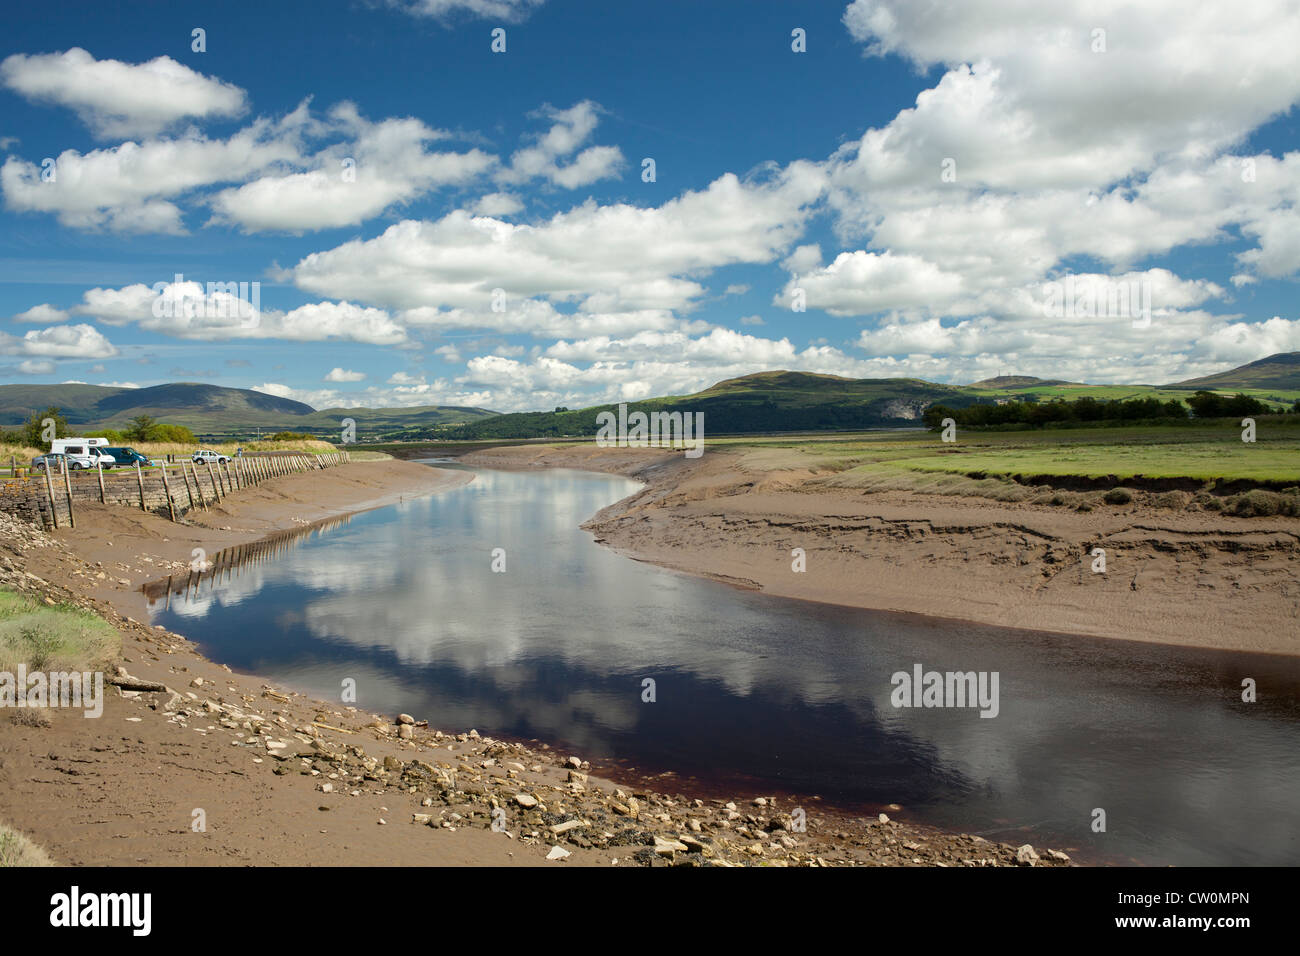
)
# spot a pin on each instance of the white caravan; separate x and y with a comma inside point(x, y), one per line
point(82, 452)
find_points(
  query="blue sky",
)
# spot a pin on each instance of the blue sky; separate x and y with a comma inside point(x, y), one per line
point(900, 198)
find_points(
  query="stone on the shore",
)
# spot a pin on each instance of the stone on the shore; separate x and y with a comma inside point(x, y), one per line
point(668, 847)
point(405, 719)
point(526, 800)
point(697, 845)
point(1058, 855)
point(405, 731)
point(1026, 856)
point(557, 853)
point(883, 818)
point(574, 762)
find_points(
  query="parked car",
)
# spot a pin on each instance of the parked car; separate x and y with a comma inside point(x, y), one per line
point(54, 461)
point(122, 456)
point(208, 455)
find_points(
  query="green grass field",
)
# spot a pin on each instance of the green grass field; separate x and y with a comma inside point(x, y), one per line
point(1204, 452)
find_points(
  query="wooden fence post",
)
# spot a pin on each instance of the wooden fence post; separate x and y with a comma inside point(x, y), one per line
point(67, 484)
point(216, 495)
point(139, 477)
point(167, 490)
point(203, 500)
point(99, 466)
point(49, 487)
point(185, 477)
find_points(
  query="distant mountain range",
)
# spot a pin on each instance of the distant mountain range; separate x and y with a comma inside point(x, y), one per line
point(213, 410)
point(803, 401)
point(764, 402)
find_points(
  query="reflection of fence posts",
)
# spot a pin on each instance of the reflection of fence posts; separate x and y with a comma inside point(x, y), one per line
point(49, 487)
point(167, 490)
point(99, 467)
point(67, 485)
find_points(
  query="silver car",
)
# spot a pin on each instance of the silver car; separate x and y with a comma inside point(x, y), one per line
point(208, 455)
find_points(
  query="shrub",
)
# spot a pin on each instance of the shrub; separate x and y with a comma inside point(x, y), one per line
point(17, 850)
point(1118, 496)
point(172, 435)
point(1257, 503)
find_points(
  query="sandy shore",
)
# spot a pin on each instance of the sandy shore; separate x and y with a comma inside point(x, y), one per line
point(1172, 577)
point(279, 778)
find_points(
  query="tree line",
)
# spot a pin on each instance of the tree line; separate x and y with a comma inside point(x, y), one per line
point(142, 428)
point(1033, 414)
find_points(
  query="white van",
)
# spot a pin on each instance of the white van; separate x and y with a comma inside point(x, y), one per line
point(82, 452)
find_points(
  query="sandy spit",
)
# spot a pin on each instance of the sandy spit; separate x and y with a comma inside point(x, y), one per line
point(1172, 577)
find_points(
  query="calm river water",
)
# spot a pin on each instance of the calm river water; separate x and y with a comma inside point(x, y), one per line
point(755, 694)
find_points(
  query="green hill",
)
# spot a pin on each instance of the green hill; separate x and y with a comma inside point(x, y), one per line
point(19, 402)
point(1011, 382)
point(193, 398)
point(763, 402)
point(1280, 371)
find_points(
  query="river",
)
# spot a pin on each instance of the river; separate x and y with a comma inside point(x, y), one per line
point(754, 694)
